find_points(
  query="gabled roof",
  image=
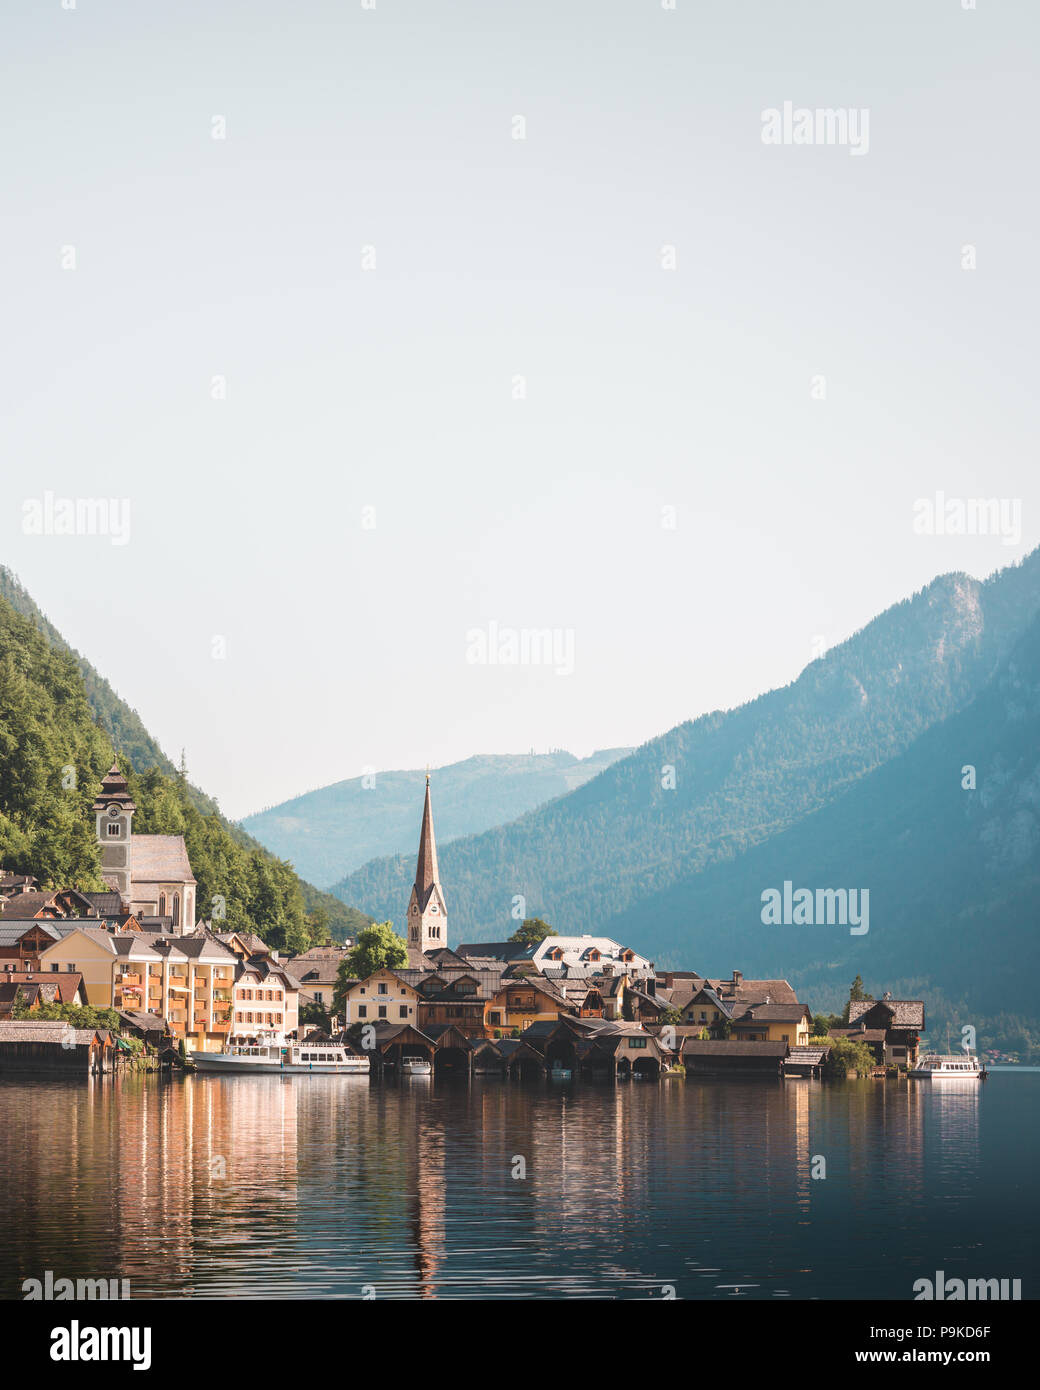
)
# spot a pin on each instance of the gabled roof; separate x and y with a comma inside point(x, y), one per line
point(18, 1030)
point(156, 859)
point(493, 951)
point(771, 1013)
point(57, 988)
point(755, 991)
point(692, 1047)
point(26, 905)
point(906, 1013)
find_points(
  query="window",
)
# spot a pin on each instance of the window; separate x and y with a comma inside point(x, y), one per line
point(362, 1011)
point(637, 1042)
point(383, 989)
point(55, 967)
point(405, 1010)
point(113, 829)
point(382, 1011)
point(319, 997)
point(176, 909)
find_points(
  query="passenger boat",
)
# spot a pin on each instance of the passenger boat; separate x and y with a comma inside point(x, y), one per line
point(415, 1066)
point(271, 1053)
point(945, 1066)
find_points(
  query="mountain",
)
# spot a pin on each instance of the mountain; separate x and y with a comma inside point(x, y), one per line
point(669, 868)
point(953, 872)
point(333, 831)
point(61, 724)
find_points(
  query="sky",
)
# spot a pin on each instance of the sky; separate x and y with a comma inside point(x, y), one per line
point(477, 378)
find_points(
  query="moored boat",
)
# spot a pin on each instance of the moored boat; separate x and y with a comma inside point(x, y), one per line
point(945, 1066)
point(415, 1066)
point(271, 1053)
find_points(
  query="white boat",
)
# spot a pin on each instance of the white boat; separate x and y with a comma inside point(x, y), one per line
point(945, 1066)
point(415, 1066)
point(271, 1053)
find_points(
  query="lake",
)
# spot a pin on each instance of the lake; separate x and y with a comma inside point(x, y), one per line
point(339, 1187)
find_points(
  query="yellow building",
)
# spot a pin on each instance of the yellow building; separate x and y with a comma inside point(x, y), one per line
point(520, 1002)
point(789, 1023)
point(187, 980)
point(384, 997)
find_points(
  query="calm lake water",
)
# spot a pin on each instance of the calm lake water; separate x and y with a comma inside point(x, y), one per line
point(315, 1187)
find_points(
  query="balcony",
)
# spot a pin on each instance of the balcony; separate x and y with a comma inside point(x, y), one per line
point(128, 979)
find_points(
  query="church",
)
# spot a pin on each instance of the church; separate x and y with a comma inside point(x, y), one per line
point(427, 913)
point(151, 873)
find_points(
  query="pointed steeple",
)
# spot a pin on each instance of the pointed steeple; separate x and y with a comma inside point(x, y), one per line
point(426, 871)
point(427, 912)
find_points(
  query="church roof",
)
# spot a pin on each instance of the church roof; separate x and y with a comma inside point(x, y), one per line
point(159, 859)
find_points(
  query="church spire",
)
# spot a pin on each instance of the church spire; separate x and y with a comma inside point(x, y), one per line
point(427, 913)
point(426, 872)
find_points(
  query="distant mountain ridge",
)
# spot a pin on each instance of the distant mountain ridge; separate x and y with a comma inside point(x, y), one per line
point(671, 872)
point(332, 831)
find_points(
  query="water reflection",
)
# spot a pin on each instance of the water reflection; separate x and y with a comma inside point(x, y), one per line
point(271, 1186)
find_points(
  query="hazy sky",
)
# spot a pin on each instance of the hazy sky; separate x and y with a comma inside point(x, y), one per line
point(255, 615)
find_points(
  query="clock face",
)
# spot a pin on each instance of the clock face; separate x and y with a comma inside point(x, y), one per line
point(113, 810)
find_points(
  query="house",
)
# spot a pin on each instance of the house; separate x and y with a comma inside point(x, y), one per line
point(186, 980)
point(768, 1022)
point(265, 996)
point(387, 1043)
point(891, 1028)
point(701, 1004)
point(151, 873)
point(26, 1046)
point(600, 953)
point(450, 999)
point(12, 884)
point(64, 987)
point(317, 971)
point(726, 1058)
point(386, 996)
point(597, 1048)
point(48, 904)
point(521, 1001)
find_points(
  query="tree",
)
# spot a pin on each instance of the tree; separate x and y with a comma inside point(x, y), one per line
point(856, 993)
point(378, 948)
point(670, 1015)
point(532, 930)
point(846, 1055)
point(313, 1015)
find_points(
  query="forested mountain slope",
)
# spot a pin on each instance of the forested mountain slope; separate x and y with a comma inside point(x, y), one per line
point(713, 788)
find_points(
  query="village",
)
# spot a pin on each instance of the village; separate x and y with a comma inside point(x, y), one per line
point(582, 1008)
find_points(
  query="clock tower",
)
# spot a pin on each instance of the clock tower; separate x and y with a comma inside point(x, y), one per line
point(113, 811)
